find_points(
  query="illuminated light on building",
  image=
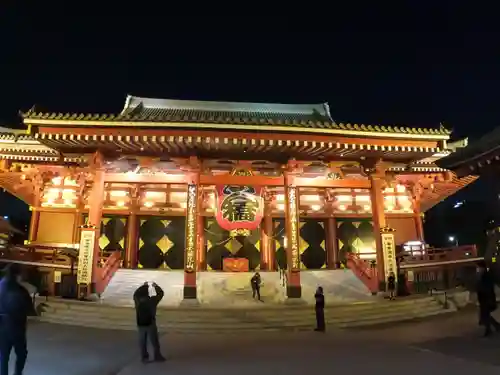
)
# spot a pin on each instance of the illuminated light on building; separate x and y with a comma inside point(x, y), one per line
point(118, 193)
point(57, 180)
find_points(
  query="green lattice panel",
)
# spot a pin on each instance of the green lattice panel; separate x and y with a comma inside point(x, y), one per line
point(161, 242)
point(220, 245)
point(312, 244)
point(354, 235)
point(113, 235)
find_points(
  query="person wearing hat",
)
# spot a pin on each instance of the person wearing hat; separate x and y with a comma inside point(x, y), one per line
point(15, 307)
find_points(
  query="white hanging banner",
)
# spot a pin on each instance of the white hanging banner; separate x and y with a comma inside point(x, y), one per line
point(389, 249)
point(86, 256)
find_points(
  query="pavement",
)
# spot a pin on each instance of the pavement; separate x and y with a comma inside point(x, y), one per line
point(448, 344)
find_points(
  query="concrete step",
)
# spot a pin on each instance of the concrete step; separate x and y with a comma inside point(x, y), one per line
point(124, 313)
point(304, 325)
point(224, 322)
point(191, 320)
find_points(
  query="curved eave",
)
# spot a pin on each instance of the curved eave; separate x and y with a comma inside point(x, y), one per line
point(182, 145)
point(444, 190)
point(374, 131)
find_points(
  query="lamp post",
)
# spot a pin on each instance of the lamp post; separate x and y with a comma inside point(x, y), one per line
point(453, 240)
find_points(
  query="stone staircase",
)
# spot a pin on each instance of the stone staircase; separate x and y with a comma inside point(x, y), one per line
point(287, 317)
point(226, 289)
point(121, 288)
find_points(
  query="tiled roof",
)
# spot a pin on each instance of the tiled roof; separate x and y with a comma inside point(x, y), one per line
point(315, 116)
point(487, 145)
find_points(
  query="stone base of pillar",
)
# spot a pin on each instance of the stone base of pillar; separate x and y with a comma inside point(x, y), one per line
point(294, 291)
point(190, 292)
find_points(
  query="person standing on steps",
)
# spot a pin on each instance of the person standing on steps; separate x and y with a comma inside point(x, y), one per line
point(486, 298)
point(391, 286)
point(320, 310)
point(15, 307)
point(256, 282)
point(145, 307)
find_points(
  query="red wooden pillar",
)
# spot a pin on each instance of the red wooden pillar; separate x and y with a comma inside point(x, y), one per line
point(379, 222)
point(35, 215)
point(95, 213)
point(201, 248)
point(266, 235)
point(191, 239)
point(331, 243)
point(418, 221)
point(132, 241)
point(292, 227)
point(76, 226)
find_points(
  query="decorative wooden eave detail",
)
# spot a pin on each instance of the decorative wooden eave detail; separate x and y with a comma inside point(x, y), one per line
point(17, 145)
point(204, 115)
point(190, 142)
point(433, 188)
point(482, 156)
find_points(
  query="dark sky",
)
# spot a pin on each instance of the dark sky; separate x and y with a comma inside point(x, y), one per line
point(411, 64)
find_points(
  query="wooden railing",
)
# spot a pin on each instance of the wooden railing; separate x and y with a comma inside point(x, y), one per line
point(107, 271)
point(45, 258)
point(364, 271)
point(437, 256)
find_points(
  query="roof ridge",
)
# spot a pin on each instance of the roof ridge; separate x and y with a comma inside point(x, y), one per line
point(216, 106)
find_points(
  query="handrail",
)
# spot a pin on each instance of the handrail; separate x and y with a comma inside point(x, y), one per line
point(457, 253)
point(107, 271)
point(368, 275)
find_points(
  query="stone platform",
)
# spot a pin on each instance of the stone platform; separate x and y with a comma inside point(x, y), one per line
point(210, 319)
point(233, 289)
point(449, 344)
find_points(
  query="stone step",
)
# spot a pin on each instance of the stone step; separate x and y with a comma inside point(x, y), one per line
point(230, 320)
point(221, 327)
point(97, 311)
point(204, 320)
point(257, 308)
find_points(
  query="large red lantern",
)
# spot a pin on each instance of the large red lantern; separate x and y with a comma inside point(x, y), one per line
point(239, 208)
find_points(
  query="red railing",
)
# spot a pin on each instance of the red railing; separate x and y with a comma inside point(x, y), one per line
point(107, 271)
point(449, 254)
point(366, 273)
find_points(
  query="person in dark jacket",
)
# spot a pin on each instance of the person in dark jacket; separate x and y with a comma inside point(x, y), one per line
point(15, 307)
point(391, 285)
point(255, 282)
point(486, 298)
point(320, 309)
point(145, 307)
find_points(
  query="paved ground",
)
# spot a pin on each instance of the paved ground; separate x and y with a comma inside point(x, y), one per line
point(449, 344)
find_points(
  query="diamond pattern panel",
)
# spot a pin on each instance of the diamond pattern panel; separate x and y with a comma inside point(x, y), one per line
point(312, 244)
point(161, 242)
point(220, 245)
point(354, 235)
point(113, 233)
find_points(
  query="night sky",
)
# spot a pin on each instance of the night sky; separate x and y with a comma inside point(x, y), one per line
point(412, 65)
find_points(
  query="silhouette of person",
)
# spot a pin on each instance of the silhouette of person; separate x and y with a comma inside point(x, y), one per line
point(15, 307)
point(320, 309)
point(255, 282)
point(485, 289)
point(145, 307)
